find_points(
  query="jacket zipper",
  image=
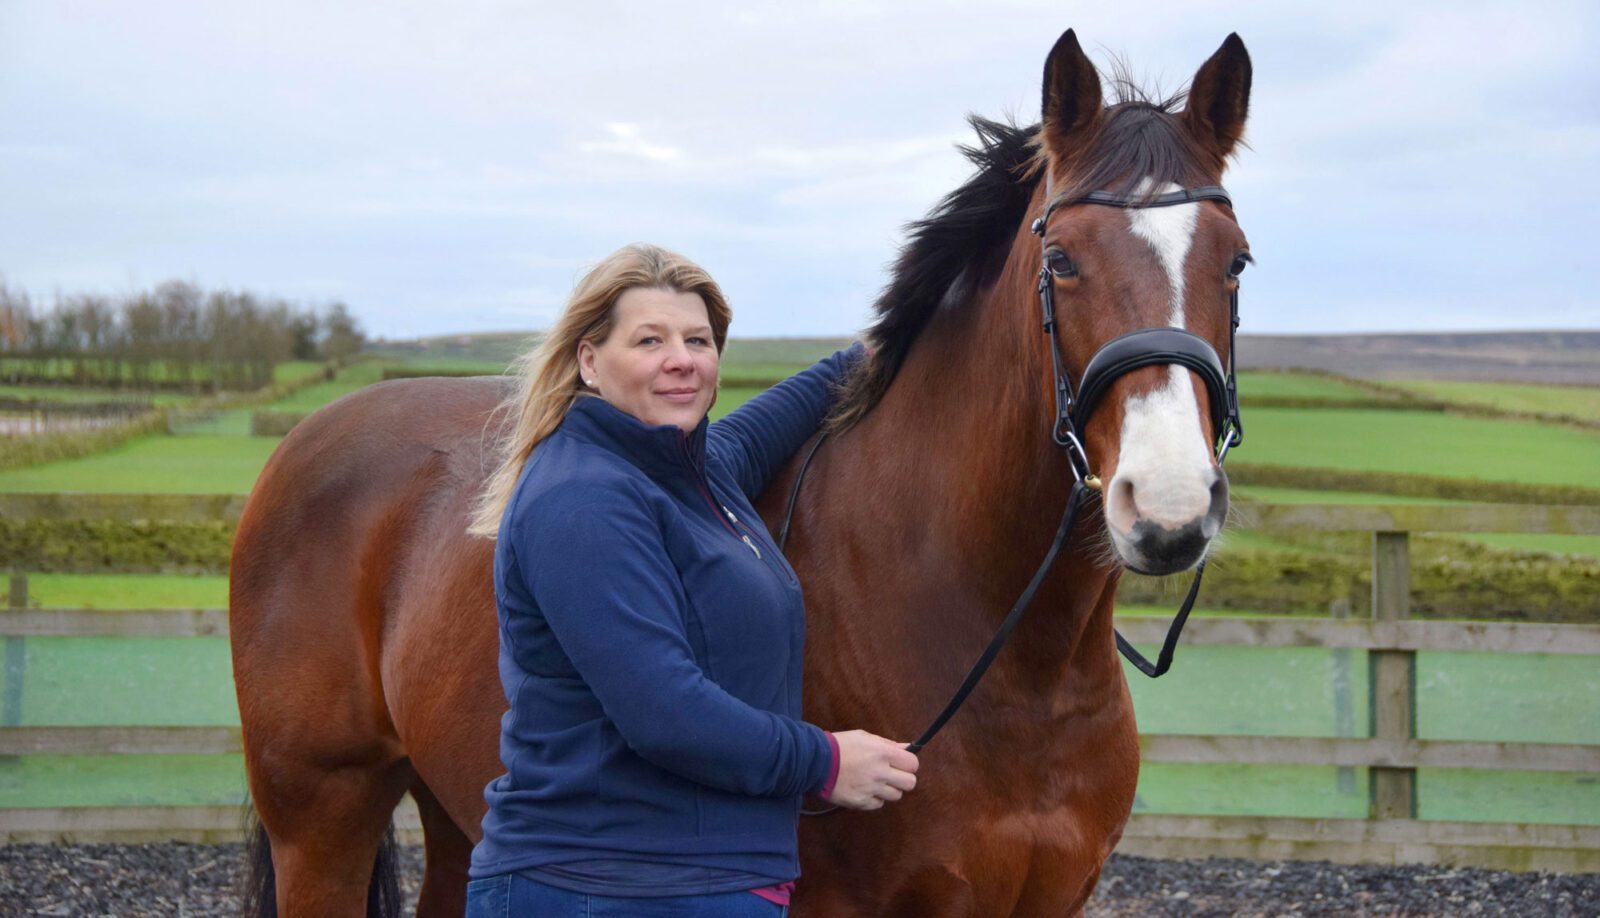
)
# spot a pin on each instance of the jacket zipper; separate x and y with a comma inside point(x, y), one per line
point(705, 492)
point(778, 566)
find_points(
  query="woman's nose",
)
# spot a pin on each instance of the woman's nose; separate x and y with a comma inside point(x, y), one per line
point(678, 356)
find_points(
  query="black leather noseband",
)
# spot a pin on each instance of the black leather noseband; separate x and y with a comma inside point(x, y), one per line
point(1154, 347)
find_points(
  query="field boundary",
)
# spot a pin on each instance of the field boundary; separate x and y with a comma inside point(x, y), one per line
point(1391, 397)
point(1442, 487)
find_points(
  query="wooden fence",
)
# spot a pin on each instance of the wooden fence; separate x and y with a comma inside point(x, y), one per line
point(1391, 754)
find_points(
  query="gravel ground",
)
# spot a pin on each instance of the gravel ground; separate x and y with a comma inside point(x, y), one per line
point(198, 880)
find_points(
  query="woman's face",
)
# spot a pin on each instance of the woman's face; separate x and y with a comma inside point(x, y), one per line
point(659, 363)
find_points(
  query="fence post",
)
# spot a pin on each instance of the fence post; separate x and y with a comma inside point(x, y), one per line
point(1344, 715)
point(16, 659)
point(1393, 677)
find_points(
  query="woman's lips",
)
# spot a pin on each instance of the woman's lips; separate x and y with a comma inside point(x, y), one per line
point(680, 396)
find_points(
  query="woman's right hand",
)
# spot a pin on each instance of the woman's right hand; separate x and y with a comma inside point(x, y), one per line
point(872, 771)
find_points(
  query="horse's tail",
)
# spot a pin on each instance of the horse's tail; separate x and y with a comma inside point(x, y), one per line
point(383, 892)
point(258, 897)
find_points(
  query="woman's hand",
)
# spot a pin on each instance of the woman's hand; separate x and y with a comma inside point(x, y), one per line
point(872, 771)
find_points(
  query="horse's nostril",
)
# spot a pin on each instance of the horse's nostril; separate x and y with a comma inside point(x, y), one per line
point(1124, 512)
point(1217, 513)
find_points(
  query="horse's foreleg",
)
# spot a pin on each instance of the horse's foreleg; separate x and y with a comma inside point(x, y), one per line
point(326, 823)
point(934, 891)
point(449, 853)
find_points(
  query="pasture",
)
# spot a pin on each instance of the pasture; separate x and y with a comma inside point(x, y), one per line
point(1305, 691)
point(1571, 401)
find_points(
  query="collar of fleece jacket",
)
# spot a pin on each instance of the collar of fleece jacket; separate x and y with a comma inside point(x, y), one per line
point(655, 450)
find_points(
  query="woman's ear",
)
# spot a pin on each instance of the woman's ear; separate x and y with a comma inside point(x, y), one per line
point(586, 372)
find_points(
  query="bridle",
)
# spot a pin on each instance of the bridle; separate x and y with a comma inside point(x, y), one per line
point(1156, 346)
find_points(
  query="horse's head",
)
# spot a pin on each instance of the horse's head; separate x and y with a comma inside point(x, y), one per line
point(1118, 258)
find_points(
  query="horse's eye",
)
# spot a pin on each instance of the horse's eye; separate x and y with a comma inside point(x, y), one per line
point(1240, 261)
point(1059, 264)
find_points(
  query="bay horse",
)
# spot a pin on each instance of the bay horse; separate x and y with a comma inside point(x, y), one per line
point(363, 617)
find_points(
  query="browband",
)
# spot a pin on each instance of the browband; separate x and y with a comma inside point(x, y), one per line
point(1136, 202)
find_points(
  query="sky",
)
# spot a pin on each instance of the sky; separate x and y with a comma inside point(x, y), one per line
point(454, 167)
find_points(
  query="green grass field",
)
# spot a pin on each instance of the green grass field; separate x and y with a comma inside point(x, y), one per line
point(795, 353)
point(1424, 443)
point(452, 365)
point(1297, 385)
point(1573, 401)
point(347, 381)
point(204, 464)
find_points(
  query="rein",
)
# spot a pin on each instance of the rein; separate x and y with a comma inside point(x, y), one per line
point(1116, 358)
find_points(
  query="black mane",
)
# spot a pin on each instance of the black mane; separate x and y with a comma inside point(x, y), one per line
point(961, 246)
point(955, 250)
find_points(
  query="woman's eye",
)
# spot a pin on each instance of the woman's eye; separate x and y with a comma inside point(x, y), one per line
point(1060, 265)
point(1240, 262)
point(650, 339)
point(698, 341)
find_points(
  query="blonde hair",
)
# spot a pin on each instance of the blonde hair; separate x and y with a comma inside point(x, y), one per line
point(549, 372)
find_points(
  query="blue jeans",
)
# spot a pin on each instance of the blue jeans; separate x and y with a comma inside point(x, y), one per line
point(513, 896)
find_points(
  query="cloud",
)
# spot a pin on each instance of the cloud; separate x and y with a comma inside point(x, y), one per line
point(430, 166)
point(626, 141)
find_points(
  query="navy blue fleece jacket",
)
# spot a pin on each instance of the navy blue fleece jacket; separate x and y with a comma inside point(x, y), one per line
point(651, 640)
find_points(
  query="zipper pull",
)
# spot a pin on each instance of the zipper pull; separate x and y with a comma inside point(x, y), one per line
point(750, 543)
point(730, 514)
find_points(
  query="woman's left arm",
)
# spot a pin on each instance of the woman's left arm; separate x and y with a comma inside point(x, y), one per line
point(758, 437)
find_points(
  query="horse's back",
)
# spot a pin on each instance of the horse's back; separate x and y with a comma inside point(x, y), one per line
point(354, 503)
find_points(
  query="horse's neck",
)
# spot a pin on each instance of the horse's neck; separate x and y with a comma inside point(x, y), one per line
point(965, 490)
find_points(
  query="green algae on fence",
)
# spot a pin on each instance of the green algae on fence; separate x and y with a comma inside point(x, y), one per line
point(131, 681)
point(121, 780)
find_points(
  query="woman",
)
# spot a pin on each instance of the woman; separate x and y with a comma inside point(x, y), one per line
point(650, 631)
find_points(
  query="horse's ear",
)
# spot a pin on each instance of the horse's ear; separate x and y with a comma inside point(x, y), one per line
point(1071, 92)
point(1219, 97)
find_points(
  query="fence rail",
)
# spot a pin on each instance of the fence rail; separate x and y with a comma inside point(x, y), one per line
point(1391, 754)
point(1176, 748)
point(1236, 631)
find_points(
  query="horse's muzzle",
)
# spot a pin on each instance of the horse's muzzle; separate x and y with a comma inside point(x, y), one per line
point(1158, 544)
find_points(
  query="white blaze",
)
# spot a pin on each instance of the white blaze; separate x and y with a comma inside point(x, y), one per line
point(1164, 464)
point(1168, 230)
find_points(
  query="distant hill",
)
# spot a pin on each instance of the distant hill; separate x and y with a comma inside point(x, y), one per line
point(1563, 357)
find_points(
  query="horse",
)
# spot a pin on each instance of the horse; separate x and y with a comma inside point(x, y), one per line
point(363, 617)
